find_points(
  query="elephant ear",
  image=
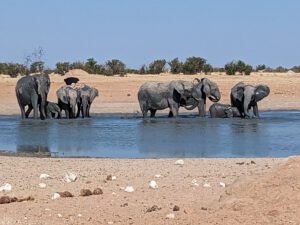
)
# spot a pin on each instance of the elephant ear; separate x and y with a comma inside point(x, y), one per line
point(94, 94)
point(261, 91)
point(62, 95)
point(238, 91)
point(206, 86)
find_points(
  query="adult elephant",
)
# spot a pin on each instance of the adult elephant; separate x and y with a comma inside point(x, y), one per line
point(87, 95)
point(155, 96)
point(32, 91)
point(68, 99)
point(245, 97)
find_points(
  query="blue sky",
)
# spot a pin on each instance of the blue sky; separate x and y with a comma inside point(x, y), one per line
point(139, 31)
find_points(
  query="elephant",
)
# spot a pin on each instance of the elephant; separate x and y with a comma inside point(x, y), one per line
point(87, 95)
point(68, 99)
point(71, 80)
point(217, 110)
point(155, 96)
point(32, 91)
point(245, 97)
point(208, 89)
point(52, 109)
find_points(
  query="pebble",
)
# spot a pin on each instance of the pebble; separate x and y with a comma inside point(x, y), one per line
point(42, 185)
point(176, 208)
point(55, 196)
point(170, 216)
point(85, 192)
point(129, 189)
point(79, 215)
point(44, 176)
point(6, 187)
point(195, 182)
point(222, 184)
point(70, 177)
point(157, 176)
point(98, 191)
point(59, 215)
point(179, 162)
point(153, 184)
point(206, 185)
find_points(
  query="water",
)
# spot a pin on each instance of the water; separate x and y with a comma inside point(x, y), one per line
point(275, 134)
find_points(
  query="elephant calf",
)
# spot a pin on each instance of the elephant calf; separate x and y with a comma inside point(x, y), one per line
point(52, 109)
point(223, 111)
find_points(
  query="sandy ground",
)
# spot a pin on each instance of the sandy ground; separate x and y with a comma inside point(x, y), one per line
point(119, 94)
point(257, 191)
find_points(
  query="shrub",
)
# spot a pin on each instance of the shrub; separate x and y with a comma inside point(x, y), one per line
point(296, 69)
point(238, 66)
point(280, 69)
point(193, 65)
point(260, 67)
point(77, 65)
point(175, 66)
point(143, 69)
point(62, 67)
point(157, 66)
point(116, 66)
point(207, 68)
point(90, 66)
point(37, 67)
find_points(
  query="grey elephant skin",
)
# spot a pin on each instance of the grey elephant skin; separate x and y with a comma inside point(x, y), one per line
point(245, 97)
point(155, 96)
point(87, 95)
point(68, 99)
point(53, 110)
point(217, 110)
point(32, 91)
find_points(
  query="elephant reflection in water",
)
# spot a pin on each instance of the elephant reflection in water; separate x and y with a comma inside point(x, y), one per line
point(32, 138)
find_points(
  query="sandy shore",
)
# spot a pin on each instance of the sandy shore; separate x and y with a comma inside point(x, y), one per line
point(119, 94)
point(257, 191)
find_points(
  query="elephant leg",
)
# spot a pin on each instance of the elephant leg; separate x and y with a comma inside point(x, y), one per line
point(201, 109)
point(170, 114)
point(152, 111)
point(174, 111)
point(79, 109)
point(246, 108)
point(34, 103)
point(144, 109)
point(255, 110)
point(28, 111)
point(88, 110)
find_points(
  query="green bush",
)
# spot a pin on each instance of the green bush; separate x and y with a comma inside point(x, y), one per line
point(207, 68)
point(193, 65)
point(62, 67)
point(296, 69)
point(115, 66)
point(157, 66)
point(90, 66)
point(175, 66)
point(238, 66)
point(37, 67)
point(143, 69)
point(260, 67)
point(13, 69)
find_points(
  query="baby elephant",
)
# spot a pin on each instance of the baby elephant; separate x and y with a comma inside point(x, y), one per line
point(52, 109)
point(223, 111)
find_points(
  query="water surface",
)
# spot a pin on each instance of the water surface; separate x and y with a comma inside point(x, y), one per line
point(275, 134)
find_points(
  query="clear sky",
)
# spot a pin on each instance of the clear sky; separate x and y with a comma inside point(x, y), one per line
point(139, 31)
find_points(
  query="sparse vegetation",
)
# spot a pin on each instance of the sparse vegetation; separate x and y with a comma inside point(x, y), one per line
point(175, 66)
point(239, 66)
point(193, 65)
point(157, 66)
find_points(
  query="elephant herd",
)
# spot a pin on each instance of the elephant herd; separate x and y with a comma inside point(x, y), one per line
point(32, 91)
point(74, 99)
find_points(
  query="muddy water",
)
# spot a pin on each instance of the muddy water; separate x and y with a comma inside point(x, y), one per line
point(275, 134)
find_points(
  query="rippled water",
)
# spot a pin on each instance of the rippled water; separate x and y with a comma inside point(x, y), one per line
point(274, 134)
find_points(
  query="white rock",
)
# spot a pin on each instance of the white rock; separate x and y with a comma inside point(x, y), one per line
point(113, 178)
point(170, 216)
point(110, 222)
point(70, 177)
point(59, 215)
point(55, 196)
point(114, 193)
point(157, 176)
point(153, 184)
point(44, 176)
point(129, 189)
point(195, 182)
point(79, 215)
point(179, 162)
point(206, 185)
point(42, 185)
point(222, 184)
point(6, 187)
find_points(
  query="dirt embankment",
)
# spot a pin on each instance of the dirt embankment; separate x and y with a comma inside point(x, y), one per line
point(119, 94)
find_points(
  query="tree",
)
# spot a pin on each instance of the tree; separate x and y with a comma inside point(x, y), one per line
point(296, 69)
point(63, 67)
point(193, 65)
point(77, 65)
point(37, 67)
point(281, 69)
point(116, 66)
point(90, 66)
point(260, 67)
point(176, 66)
point(143, 69)
point(248, 69)
point(157, 66)
point(207, 68)
point(238, 66)
point(230, 68)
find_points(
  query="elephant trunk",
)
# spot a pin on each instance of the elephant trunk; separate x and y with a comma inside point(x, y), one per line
point(84, 108)
point(43, 105)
